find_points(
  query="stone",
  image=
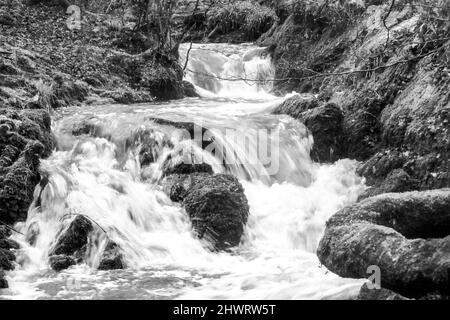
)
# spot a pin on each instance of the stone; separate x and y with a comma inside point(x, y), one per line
point(218, 209)
point(397, 181)
point(6, 259)
point(111, 258)
point(61, 262)
point(405, 234)
point(8, 244)
point(74, 239)
point(25, 138)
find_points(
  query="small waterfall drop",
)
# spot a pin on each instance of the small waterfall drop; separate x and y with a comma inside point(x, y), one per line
point(108, 167)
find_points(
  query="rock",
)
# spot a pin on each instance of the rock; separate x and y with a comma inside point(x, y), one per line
point(61, 262)
point(25, 137)
point(74, 239)
point(189, 89)
point(3, 282)
point(86, 127)
point(149, 145)
point(296, 105)
point(378, 294)
point(176, 185)
point(5, 232)
point(8, 244)
point(405, 234)
point(159, 74)
point(325, 124)
point(111, 258)
point(377, 168)
point(397, 181)
point(186, 168)
point(6, 259)
point(218, 209)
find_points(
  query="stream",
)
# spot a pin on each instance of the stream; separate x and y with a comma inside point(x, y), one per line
point(100, 176)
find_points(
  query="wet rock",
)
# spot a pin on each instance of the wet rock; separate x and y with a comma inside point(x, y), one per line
point(3, 282)
point(86, 127)
point(128, 96)
point(5, 232)
point(6, 259)
point(61, 262)
point(189, 89)
point(176, 185)
point(159, 74)
point(186, 168)
point(190, 130)
point(112, 258)
point(378, 294)
point(397, 181)
point(8, 244)
point(296, 105)
point(218, 209)
point(149, 145)
point(25, 137)
point(325, 124)
point(405, 234)
point(74, 239)
point(377, 168)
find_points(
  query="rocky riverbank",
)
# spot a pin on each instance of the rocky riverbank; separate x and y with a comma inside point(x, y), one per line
point(379, 78)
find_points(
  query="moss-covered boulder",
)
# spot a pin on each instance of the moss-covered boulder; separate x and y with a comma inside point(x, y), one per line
point(407, 235)
point(25, 137)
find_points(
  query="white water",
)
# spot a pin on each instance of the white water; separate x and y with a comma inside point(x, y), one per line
point(101, 178)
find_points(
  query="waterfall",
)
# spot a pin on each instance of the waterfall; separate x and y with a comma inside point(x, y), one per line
point(97, 171)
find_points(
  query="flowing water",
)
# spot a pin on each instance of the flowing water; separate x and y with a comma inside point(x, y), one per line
point(100, 176)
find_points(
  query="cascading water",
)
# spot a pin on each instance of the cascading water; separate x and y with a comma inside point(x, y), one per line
point(96, 172)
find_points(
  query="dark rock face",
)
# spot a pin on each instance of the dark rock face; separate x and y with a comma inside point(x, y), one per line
point(397, 181)
point(6, 259)
point(24, 138)
point(61, 262)
point(378, 294)
point(186, 168)
point(3, 282)
point(112, 258)
point(296, 105)
point(405, 234)
point(74, 238)
point(149, 145)
point(324, 122)
point(189, 89)
point(218, 209)
point(8, 244)
point(73, 244)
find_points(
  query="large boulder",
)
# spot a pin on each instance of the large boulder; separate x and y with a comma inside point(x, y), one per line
point(218, 209)
point(71, 244)
point(405, 234)
point(25, 137)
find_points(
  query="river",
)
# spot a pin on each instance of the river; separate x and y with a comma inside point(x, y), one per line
point(100, 176)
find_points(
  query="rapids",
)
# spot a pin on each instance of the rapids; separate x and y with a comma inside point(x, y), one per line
point(99, 176)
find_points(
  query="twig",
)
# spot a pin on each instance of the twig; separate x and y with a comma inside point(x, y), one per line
point(319, 75)
point(10, 228)
point(83, 215)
